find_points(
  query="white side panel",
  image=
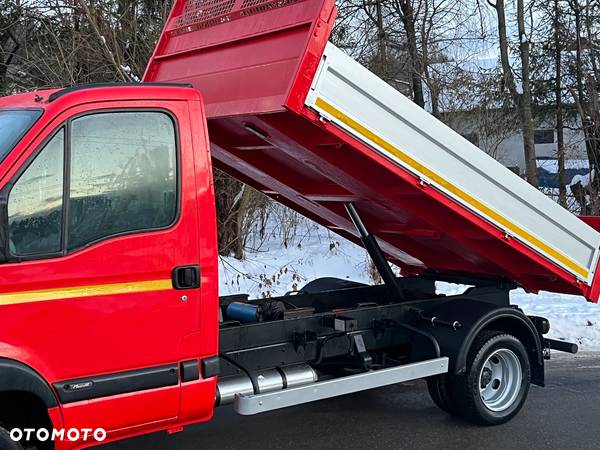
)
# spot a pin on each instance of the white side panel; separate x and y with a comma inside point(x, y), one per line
point(350, 96)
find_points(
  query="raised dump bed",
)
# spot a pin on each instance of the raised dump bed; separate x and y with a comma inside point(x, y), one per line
point(296, 118)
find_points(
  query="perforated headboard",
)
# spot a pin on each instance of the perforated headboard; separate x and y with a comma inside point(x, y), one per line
point(244, 56)
point(200, 14)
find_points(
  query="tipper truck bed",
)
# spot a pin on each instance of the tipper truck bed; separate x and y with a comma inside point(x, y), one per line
point(108, 243)
point(293, 116)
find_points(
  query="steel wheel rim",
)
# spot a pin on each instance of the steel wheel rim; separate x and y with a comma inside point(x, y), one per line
point(500, 380)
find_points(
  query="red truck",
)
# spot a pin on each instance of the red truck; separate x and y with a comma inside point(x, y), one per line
point(112, 323)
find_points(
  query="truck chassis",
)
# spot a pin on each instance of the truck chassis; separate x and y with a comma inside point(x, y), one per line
point(360, 338)
point(339, 341)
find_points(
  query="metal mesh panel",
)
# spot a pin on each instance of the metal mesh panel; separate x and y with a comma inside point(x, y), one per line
point(257, 6)
point(199, 11)
point(199, 14)
point(250, 3)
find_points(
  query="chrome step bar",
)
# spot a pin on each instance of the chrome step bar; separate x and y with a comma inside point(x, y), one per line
point(253, 404)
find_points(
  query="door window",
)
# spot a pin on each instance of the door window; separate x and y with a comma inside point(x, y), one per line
point(123, 175)
point(35, 203)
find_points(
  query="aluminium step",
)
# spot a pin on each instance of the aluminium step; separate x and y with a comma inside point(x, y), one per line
point(259, 403)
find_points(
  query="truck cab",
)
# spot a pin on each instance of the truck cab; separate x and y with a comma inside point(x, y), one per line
point(107, 234)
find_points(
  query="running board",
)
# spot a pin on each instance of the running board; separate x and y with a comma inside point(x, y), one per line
point(253, 404)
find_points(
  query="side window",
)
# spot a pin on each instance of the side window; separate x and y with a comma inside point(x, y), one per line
point(123, 175)
point(544, 136)
point(35, 203)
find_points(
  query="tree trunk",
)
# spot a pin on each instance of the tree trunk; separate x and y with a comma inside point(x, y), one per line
point(528, 131)
point(7, 56)
point(593, 83)
point(560, 156)
point(228, 193)
point(381, 44)
point(432, 83)
point(522, 101)
point(408, 20)
point(584, 111)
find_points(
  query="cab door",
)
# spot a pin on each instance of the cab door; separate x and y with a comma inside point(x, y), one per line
point(101, 283)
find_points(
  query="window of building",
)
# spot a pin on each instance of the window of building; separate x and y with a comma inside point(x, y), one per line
point(123, 175)
point(544, 136)
point(35, 203)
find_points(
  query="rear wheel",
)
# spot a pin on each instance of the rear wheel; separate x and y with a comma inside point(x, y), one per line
point(496, 383)
point(439, 391)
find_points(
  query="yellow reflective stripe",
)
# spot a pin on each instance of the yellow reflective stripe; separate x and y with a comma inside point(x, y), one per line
point(12, 298)
point(464, 196)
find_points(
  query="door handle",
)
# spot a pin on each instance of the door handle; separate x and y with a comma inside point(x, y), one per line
point(186, 277)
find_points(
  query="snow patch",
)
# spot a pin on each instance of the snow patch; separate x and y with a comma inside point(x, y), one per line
point(572, 318)
point(275, 269)
point(583, 179)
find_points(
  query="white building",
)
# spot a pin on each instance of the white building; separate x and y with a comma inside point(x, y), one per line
point(504, 140)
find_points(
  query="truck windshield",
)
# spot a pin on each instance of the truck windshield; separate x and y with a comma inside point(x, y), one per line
point(13, 125)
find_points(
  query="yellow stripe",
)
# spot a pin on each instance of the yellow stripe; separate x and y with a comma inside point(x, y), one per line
point(464, 196)
point(13, 298)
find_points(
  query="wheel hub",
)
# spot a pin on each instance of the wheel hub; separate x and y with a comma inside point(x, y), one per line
point(486, 377)
point(500, 380)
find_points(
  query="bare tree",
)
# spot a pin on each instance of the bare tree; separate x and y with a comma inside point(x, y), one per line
point(405, 9)
point(560, 135)
point(585, 93)
point(522, 99)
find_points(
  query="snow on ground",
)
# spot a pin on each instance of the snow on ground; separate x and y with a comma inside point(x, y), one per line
point(551, 164)
point(583, 179)
point(274, 269)
point(572, 318)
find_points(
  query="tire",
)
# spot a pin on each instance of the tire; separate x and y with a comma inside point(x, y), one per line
point(6, 443)
point(439, 391)
point(496, 383)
